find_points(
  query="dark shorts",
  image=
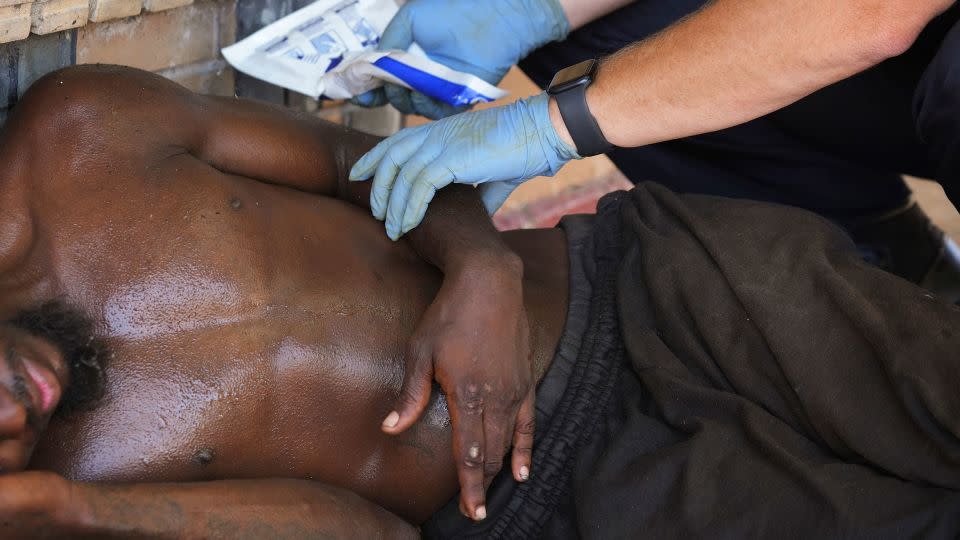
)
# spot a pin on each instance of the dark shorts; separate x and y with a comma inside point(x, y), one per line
point(732, 369)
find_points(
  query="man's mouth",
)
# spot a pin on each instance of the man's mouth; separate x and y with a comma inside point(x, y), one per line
point(45, 388)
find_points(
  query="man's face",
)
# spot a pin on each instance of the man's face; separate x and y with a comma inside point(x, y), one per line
point(33, 378)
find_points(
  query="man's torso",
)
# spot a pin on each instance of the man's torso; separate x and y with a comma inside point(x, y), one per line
point(253, 334)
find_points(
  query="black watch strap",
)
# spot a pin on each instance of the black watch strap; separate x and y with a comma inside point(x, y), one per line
point(583, 127)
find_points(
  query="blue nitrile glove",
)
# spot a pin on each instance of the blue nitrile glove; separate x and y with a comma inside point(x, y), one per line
point(499, 147)
point(481, 38)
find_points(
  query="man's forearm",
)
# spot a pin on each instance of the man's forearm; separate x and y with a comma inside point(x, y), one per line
point(737, 60)
point(228, 509)
point(457, 234)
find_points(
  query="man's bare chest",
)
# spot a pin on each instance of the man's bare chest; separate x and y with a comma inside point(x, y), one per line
point(249, 401)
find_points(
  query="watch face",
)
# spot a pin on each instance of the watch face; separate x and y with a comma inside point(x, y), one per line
point(574, 75)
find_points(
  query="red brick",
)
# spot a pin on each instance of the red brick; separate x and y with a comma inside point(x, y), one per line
point(105, 10)
point(213, 77)
point(14, 23)
point(162, 5)
point(158, 41)
point(57, 15)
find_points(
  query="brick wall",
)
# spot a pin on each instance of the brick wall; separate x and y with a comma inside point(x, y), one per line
point(175, 38)
point(182, 44)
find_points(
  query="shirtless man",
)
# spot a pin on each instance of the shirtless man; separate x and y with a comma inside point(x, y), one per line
point(239, 305)
point(256, 334)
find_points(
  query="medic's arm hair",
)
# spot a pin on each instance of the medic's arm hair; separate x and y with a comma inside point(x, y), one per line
point(231, 509)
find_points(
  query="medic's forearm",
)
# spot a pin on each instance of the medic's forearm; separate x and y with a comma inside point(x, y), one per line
point(581, 12)
point(737, 60)
point(228, 509)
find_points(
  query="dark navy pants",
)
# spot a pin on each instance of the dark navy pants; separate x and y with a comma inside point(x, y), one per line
point(840, 152)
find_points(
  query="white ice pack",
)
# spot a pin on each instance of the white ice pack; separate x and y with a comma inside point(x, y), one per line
point(329, 49)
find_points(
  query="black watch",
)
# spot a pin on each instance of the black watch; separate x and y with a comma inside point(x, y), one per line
point(569, 87)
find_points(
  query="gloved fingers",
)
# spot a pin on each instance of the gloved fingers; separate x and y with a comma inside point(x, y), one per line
point(494, 194)
point(434, 109)
point(400, 192)
point(374, 98)
point(434, 176)
point(420, 196)
point(399, 97)
point(364, 167)
point(405, 145)
point(398, 35)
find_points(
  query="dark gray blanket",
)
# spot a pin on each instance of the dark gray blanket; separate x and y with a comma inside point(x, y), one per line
point(737, 372)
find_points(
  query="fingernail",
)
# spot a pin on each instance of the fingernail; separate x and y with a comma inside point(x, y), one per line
point(475, 451)
point(391, 420)
point(524, 473)
point(481, 513)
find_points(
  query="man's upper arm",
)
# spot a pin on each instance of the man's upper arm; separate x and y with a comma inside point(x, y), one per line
point(277, 145)
point(129, 110)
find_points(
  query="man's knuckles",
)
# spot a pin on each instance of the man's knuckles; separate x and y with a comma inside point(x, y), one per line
point(492, 467)
point(473, 457)
point(469, 399)
point(525, 427)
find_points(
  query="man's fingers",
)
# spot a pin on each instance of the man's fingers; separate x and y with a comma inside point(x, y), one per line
point(466, 416)
point(415, 392)
point(497, 427)
point(405, 145)
point(523, 431)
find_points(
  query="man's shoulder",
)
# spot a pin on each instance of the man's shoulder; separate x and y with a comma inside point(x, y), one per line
point(75, 104)
point(78, 94)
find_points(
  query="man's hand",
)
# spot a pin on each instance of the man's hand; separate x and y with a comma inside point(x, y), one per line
point(499, 147)
point(482, 39)
point(33, 505)
point(475, 340)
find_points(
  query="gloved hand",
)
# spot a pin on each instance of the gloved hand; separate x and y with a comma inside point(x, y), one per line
point(481, 38)
point(503, 146)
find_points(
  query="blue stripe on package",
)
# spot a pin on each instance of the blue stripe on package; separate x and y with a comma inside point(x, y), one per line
point(328, 49)
point(431, 85)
